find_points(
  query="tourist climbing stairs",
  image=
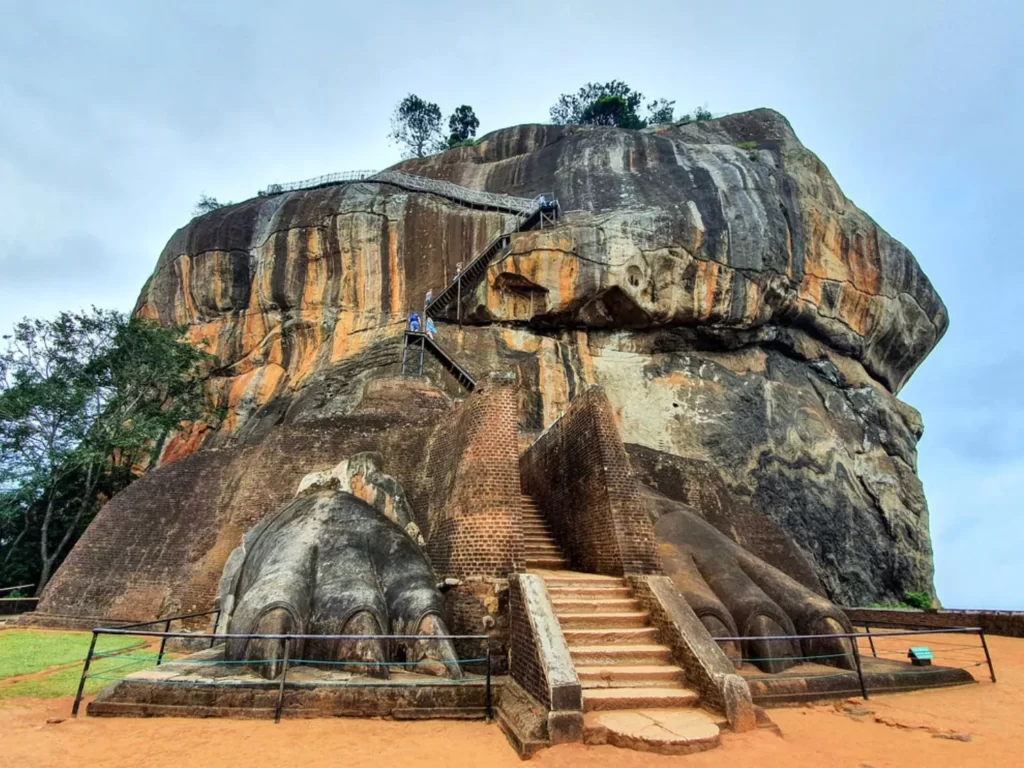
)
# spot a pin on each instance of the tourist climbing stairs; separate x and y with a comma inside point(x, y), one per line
point(421, 342)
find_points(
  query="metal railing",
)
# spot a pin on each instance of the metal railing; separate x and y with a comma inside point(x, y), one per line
point(14, 589)
point(855, 650)
point(519, 205)
point(319, 181)
point(522, 205)
point(285, 659)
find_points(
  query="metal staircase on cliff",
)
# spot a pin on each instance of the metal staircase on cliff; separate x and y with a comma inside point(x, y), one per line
point(543, 209)
point(529, 212)
point(424, 342)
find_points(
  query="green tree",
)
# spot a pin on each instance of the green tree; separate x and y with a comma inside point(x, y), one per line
point(660, 111)
point(595, 102)
point(613, 103)
point(416, 125)
point(85, 400)
point(206, 204)
point(462, 125)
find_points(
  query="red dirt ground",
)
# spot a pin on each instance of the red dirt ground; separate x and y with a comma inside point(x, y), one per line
point(910, 729)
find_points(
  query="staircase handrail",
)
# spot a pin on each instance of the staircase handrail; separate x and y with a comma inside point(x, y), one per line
point(520, 205)
point(512, 203)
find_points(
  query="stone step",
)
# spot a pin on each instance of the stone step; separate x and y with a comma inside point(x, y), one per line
point(538, 551)
point(547, 563)
point(587, 593)
point(596, 603)
point(595, 620)
point(629, 675)
point(624, 636)
point(665, 731)
point(528, 540)
point(624, 655)
point(604, 699)
point(573, 579)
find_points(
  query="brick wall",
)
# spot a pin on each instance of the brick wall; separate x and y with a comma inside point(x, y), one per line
point(580, 476)
point(1008, 623)
point(525, 666)
point(540, 661)
point(472, 526)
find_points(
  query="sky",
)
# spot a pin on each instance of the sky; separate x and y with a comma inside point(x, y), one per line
point(116, 116)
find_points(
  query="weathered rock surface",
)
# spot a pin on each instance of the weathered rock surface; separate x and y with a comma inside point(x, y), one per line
point(749, 324)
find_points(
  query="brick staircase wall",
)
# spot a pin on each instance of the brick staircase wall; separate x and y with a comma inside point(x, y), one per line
point(473, 473)
point(579, 474)
point(540, 661)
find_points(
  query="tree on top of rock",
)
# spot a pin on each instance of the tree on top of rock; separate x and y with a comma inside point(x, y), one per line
point(416, 125)
point(462, 125)
point(612, 103)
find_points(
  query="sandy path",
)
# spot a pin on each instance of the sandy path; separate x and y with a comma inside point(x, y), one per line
point(897, 730)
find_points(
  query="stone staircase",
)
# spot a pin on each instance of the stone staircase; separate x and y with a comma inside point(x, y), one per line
point(634, 695)
point(614, 647)
point(539, 548)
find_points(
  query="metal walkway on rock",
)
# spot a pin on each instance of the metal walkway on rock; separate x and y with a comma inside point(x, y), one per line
point(414, 183)
point(528, 212)
point(425, 342)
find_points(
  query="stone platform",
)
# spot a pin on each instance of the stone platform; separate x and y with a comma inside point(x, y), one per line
point(817, 682)
point(188, 687)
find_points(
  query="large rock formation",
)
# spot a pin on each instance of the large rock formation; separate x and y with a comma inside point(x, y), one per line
point(750, 326)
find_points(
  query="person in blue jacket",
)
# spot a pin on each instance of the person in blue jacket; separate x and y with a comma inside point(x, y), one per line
point(414, 322)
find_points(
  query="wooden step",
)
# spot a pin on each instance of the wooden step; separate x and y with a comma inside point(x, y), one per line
point(596, 621)
point(594, 603)
point(625, 655)
point(629, 675)
point(625, 636)
point(604, 699)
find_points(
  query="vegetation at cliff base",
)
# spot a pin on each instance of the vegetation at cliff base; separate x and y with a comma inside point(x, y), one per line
point(86, 399)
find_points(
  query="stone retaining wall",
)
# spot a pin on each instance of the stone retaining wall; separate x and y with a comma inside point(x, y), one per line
point(1007, 623)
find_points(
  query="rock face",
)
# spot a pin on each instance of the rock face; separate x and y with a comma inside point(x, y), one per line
point(750, 326)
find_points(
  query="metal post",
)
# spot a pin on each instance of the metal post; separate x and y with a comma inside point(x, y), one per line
point(860, 672)
point(988, 658)
point(871, 640)
point(85, 674)
point(216, 621)
point(458, 307)
point(163, 642)
point(423, 347)
point(284, 674)
point(488, 691)
point(405, 349)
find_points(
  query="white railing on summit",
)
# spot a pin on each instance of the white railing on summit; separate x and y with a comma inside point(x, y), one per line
point(522, 205)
